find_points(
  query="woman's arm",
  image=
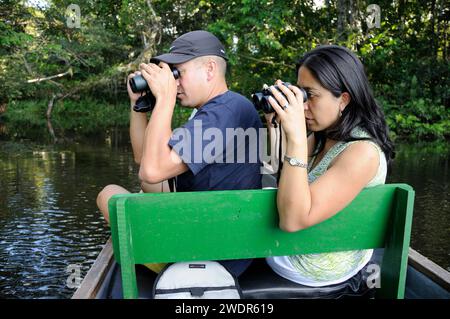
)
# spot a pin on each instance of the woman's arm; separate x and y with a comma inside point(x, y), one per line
point(301, 205)
point(274, 139)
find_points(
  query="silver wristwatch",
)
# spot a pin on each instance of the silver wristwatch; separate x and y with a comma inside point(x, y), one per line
point(295, 161)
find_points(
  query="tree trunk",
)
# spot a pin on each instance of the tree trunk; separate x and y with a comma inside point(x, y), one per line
point(342, 18)
point(51, 131)
point(401, 12)
point(351, 14)
point(446, 40)
point(50, 106)
point(3, 107)
point(434, 47)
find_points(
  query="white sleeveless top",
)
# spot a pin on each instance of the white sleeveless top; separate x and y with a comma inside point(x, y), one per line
point(325, 269)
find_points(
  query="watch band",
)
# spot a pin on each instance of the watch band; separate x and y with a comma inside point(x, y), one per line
point(295, 162)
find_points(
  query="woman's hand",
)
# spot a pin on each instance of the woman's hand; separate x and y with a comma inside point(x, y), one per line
point(160, 80)
point(290, 111)
point(269, 118)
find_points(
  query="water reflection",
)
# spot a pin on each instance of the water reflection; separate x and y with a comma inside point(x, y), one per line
point(426, 168)
point(48, 216)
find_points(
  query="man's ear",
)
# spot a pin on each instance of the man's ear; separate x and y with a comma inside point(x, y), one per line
point(345, 100)
point(211, 68)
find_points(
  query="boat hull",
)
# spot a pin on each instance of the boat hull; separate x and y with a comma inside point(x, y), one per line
point(424, 280)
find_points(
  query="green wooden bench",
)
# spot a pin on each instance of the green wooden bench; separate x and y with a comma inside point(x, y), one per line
point(218, 225)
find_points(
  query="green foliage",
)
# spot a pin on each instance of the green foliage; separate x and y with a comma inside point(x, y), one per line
point(69, 116)
point(419, 119)
point(73, 117)
point(407, 58)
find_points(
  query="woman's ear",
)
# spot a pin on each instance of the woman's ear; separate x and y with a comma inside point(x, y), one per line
point(345, 100)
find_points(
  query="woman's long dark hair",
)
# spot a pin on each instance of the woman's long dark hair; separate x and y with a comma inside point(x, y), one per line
point(339, 70)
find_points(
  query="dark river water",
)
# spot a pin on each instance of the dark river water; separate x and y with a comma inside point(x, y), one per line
point(49, 221)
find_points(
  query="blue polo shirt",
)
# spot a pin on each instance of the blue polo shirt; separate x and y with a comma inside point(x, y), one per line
point(220, 146)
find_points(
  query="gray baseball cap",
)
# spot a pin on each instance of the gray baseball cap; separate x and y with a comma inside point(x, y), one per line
point(192, 45)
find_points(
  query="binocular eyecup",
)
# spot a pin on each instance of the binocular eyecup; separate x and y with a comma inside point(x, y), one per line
point(261, 99)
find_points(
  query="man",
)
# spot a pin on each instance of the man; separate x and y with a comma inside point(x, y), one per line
point(230, 161)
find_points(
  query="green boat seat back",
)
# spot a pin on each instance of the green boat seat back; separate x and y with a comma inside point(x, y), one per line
point(219, 225)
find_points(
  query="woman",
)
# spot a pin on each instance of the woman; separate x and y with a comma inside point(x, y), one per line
point(349, 150)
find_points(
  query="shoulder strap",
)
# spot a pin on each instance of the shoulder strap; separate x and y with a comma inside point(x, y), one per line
point(280, 153)
point(172, 184)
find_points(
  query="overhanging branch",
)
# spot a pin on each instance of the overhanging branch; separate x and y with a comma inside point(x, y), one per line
point(60, 75)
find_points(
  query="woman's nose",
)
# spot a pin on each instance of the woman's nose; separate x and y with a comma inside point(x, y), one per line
point(306, 105)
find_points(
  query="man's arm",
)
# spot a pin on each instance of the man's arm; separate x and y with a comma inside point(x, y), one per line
point(138, 123)
point(159, 162)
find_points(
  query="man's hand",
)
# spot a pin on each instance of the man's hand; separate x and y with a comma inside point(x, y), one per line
point(160, 80)
point(133, 96)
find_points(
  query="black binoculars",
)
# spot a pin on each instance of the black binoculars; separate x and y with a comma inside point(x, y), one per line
point(261, 99)
point(146, 102)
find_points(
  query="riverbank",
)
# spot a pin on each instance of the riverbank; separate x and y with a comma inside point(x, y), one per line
point(70, 120)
